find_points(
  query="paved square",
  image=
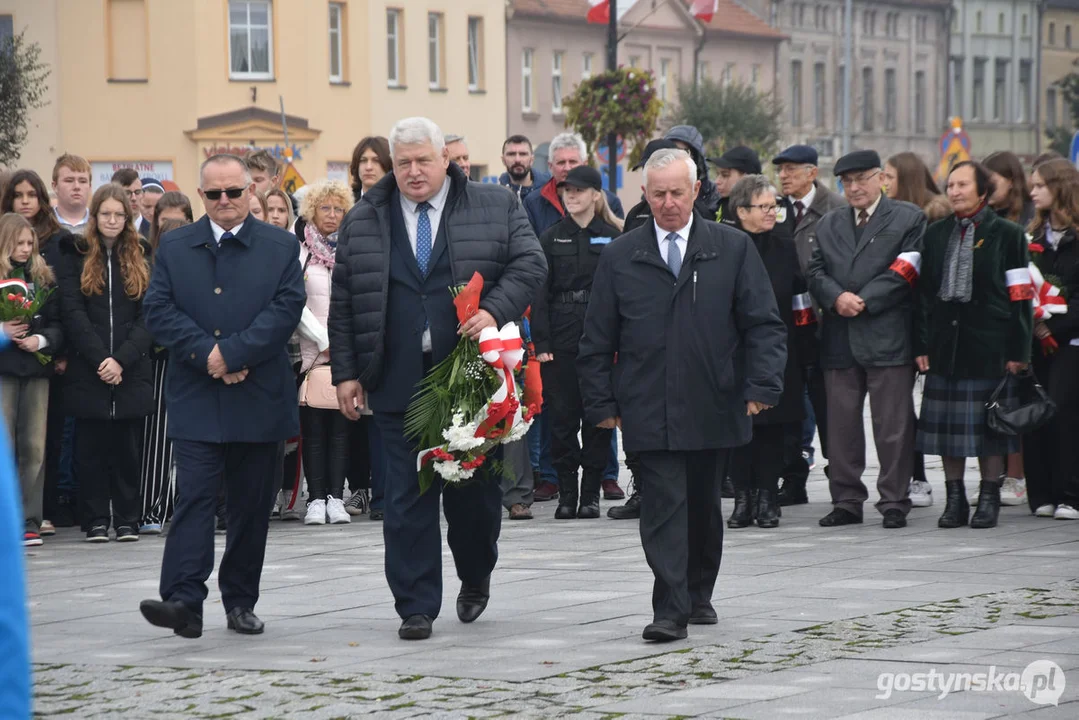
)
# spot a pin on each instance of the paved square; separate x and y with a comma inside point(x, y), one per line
point(809, 620)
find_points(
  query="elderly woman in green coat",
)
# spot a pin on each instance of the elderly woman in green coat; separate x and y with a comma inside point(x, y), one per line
point(973, 324)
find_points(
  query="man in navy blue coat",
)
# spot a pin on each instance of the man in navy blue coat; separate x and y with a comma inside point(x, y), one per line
point(226, 294)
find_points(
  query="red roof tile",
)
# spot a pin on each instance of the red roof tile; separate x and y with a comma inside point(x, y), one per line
point(565, 9)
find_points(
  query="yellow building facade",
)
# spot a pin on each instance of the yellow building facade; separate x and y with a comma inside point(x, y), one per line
point(161, 85)
point(1060, 53)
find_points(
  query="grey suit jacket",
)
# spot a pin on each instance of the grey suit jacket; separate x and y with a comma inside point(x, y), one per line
point(881, 335)
point(805, 235)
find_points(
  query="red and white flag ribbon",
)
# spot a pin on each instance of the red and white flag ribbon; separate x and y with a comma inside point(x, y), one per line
point(1020, 286)
point(1047, 298)
point(908, 265)
point(15, 284)
point(803, 310)
point(504, 351)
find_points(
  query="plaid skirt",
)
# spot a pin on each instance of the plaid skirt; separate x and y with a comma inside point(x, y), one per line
point(953, 418)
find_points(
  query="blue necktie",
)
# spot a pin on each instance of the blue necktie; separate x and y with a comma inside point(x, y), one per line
point(423, 237)
point(227, 235)
point(674, 255)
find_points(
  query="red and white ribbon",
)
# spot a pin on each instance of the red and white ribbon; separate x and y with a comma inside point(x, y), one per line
point(504, 351)
point(1047, 298)
point(908, 265)
point(14, 284)
point(803, 310)
point(1020, 286)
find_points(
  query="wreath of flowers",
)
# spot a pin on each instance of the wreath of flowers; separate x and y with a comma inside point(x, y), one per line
point(621, 101)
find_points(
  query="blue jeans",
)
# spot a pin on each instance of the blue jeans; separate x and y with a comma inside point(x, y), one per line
point(611, 472)
point(809, 425)
point(66, 480)
point(539, 449)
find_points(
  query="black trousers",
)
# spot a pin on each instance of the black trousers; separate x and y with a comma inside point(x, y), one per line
point(562, 400)
point(247, 472)
point(359, 454)
point(1051, 453)
point(758, 464)
point(681, 527)
point(109, 465)
point(411, 527)
point(325, 451)
point(54, 439)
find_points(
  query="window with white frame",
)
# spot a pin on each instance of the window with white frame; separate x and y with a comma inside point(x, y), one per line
point(393, 47)
point(919, 101)
point(891, 100)
point(475, 53)
point(250, 40)
point(819, 94)
point(526, 79)
point(556, 82)
point(586, 66)
point(337, 42)
point(664, 81)
point(434, 50)
point(796, 93)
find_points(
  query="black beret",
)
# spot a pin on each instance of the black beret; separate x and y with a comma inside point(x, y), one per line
point(858, 160)
point(797, 154)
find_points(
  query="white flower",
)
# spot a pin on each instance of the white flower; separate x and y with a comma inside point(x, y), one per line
point(517, 432)
point(451, 471)
point(461, 435)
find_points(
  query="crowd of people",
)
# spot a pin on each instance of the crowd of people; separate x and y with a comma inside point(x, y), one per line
point(835, 296)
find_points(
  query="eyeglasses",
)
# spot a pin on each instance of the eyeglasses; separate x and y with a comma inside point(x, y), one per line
point(860, 180)
point(232, 193)
point(134, 193)
point(330, 210)
point(111, 216)
point(766, 209)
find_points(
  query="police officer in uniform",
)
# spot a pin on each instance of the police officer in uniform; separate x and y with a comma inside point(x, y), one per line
point(572, 247)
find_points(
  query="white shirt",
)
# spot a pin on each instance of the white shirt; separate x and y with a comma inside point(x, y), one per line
point(138, 223)
point(868, 211)
point(218, 231)
point(682, 241)
point(411, 212)
point(807, 200)
point(79, 227)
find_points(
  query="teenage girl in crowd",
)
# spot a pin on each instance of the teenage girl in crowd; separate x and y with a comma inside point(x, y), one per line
point(24, 380)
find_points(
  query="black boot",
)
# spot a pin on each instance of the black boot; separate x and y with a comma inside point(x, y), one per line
point(957, 509)
point(767, 508)
point(985, 515)
point(793, 492)
point(631, 509)
point(567, 497)
point(590, 485)
point(742, 516)
point(726, 489)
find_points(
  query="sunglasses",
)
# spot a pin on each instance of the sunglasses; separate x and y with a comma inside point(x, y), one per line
point(232, 193)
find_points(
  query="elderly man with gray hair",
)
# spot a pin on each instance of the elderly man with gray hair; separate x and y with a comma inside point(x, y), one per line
point(458, 151)
point(544, 208)
point(420, 230)
point(688, 307)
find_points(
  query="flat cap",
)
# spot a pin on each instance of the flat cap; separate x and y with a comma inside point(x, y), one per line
point(858, 160)
point(798, 155)
point(651, 147)
point(739, 158)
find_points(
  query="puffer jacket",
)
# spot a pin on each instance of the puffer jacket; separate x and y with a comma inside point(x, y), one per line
point(707, 202)
point(317, 280)
point(487, 232)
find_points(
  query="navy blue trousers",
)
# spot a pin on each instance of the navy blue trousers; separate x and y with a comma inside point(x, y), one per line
point(411, 525)
point(247, 472)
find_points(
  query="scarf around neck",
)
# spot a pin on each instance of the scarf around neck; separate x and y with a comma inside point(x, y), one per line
point(958, 282)
point(322, 250)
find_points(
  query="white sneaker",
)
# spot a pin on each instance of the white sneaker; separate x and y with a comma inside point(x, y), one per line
point(1013, 491)
point(316, 513)
point(1045, 511)
point(1066, 512)
point(335, 511)
point(921, 494)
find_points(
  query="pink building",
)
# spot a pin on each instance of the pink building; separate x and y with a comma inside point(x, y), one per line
point(550, 48)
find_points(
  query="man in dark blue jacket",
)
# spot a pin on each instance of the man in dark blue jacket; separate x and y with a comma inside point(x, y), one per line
point(520, 176)
point(420, 231)
point(226, 294)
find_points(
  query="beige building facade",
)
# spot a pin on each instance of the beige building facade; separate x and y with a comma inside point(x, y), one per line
point(550, 48)
point(160, 85)
point(1060, 53)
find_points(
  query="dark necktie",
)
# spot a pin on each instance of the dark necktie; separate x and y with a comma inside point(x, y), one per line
point(423, 237)
point(799, 212)
point(674, 255)
point(227, 235)
point(863, 218)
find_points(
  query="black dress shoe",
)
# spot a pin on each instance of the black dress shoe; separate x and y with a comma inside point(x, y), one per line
point(703, 615)
point(894, 519)
point(174, 615)
point(839, 516)
point(415, 627)
point(630, 510)
point(472, 600)
point(664, 631)
point(244, 621)
point(375, 515)
point(793, 493)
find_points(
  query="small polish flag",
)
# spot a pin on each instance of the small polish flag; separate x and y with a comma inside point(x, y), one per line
point(599, 11)
point(703, 10)
point(1020, 285)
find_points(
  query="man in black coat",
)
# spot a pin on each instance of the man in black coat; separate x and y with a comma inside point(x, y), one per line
point(701, 349)
point(420, 231)
point(225, 297)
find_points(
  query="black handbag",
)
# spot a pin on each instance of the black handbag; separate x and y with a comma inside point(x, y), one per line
point(1025, 412)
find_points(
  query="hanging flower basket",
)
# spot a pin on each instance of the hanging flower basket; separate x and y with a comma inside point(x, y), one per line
point(621, 101)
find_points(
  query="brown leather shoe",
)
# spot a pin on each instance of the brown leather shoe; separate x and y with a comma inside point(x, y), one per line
point(520, 512)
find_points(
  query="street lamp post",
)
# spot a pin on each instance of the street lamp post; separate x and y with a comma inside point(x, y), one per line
point(612, 64)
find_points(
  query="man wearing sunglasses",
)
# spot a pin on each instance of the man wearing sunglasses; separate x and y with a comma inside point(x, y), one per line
point(861, 273)
point(226, 294)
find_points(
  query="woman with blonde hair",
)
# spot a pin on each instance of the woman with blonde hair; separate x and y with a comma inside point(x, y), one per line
point(325, 432)
point(108, 386)
point(279, 209)
point(24, 380)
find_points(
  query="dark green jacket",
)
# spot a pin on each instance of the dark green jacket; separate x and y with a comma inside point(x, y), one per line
point(975, 339)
